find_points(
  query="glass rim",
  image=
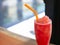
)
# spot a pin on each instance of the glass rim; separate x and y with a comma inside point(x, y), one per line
point(50, 22)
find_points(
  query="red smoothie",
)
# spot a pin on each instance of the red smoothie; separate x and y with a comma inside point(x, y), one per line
point(43, 30)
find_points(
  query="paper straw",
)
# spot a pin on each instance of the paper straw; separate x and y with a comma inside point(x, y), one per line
point(34, 11)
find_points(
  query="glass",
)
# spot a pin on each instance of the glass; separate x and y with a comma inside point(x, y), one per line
point(43, 32)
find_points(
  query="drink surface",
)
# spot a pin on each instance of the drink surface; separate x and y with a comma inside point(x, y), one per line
point(44, 20)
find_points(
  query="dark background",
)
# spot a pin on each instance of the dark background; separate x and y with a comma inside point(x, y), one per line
point(53, 11)
point(49, 10)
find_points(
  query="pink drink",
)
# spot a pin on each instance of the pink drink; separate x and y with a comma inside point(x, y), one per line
point(43, 30)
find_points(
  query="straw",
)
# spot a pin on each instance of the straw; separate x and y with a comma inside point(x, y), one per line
point(34, 11)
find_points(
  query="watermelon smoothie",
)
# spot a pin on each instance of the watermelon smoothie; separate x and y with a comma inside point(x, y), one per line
point(43, 30)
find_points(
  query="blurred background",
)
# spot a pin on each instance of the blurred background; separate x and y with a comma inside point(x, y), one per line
point(13, 11)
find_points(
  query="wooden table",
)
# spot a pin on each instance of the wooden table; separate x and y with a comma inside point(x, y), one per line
point(9, 38)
